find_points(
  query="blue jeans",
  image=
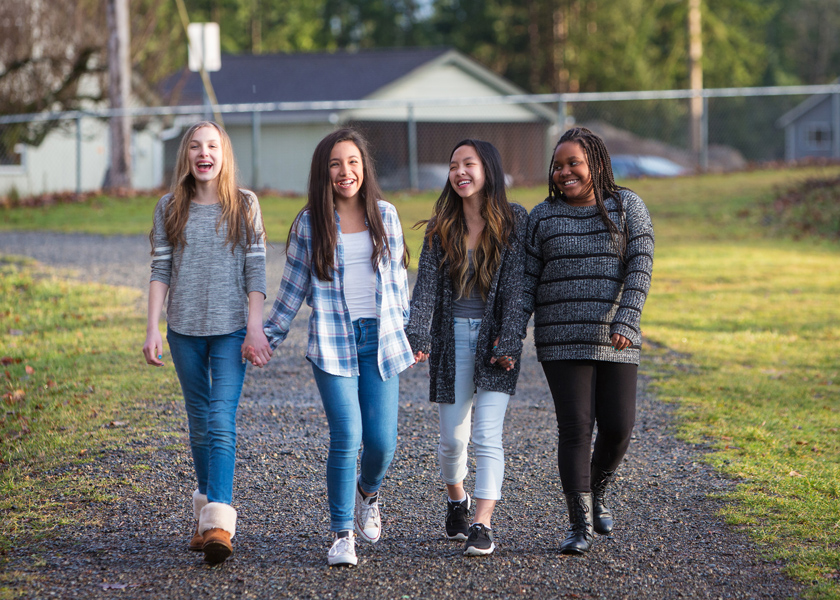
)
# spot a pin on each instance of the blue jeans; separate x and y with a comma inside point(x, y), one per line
point(361, 410)
point(211, 373)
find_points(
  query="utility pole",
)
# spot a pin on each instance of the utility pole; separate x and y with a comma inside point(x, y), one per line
point(119, 90)
point(695, 69)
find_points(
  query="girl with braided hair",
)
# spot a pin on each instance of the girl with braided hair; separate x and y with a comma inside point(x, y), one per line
point(589, 258)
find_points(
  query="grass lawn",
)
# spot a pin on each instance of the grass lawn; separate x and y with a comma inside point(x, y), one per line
point(744, 334)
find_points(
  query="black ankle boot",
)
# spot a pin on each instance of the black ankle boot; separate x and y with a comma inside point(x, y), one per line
point(580, 536)
point(602, 518)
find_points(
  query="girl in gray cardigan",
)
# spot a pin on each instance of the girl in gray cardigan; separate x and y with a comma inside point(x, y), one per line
point(590, 256)
point(464, 319)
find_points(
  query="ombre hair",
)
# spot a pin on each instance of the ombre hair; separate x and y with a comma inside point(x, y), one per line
point(321, 206)
point(450, 225)
point(235, 203)
point(603, 182)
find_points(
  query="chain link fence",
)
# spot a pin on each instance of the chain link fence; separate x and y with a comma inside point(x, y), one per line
point(647, 133)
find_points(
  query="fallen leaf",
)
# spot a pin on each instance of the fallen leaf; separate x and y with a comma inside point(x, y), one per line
point(29, 370)
point(795, 474)
point(9, 360)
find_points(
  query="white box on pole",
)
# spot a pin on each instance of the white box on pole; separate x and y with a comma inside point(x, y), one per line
point(204, 47)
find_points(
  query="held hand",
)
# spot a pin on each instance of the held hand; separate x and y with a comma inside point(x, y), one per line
point(153, 349)
point(256, 348)
point(505, 362)
point(420, 357)
point(619, 342)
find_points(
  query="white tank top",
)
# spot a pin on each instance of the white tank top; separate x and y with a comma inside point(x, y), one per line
point(359, 278)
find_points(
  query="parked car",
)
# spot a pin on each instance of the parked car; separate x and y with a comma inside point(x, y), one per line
point(630, 166)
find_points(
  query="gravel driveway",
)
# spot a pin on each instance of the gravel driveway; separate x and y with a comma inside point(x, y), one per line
point(668, 542)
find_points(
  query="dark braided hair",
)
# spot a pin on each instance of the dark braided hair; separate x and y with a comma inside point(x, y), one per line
point(603, 182)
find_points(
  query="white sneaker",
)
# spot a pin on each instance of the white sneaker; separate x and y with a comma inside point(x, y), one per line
point(343, 551)
point(367, 520)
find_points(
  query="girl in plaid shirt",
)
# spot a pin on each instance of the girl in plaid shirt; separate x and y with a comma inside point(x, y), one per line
point(344, 244)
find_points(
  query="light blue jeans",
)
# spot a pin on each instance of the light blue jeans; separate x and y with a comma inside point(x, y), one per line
point(361, 411)
point(488, 422)
point(211, 373)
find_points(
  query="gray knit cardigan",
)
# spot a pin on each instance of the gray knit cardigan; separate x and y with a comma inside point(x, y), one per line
point(575, 284)
point(431, 328)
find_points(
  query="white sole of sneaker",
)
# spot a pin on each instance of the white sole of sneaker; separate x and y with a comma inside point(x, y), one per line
point(473, 551)
point(352, 562)
point(458, 537)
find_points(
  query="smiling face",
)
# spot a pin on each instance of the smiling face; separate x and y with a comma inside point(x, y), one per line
point(570, 173)
point(466, 172)
point(346, 170)
point(205, 154)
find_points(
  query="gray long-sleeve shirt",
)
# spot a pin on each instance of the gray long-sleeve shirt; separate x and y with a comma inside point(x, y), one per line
point(575, 284)
point(208, 284)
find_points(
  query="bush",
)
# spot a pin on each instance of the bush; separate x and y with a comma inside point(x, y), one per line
point(810, 208)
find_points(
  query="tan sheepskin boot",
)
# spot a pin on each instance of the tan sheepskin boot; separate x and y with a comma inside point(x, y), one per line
point(199, 502)
point(217, 525)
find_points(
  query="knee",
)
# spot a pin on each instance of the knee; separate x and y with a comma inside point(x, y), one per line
point(452, 447)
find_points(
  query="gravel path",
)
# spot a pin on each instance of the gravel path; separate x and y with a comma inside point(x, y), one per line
point(668, 543)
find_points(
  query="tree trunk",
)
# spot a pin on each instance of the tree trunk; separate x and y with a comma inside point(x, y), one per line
point(119, 89)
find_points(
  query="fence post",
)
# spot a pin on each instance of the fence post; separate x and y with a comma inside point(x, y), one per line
point(79, 153)
point(835, 124)
point(413, 175)
point(255, 150)
point(562, 115)
point(704, 136)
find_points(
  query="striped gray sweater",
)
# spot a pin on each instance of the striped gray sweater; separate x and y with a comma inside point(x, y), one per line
point(577, 288)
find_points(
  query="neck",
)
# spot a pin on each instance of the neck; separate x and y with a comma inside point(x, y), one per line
point(472, 210)
point(206, 192)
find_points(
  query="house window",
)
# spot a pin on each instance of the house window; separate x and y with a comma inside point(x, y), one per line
point(818, 136)
point(11, 152)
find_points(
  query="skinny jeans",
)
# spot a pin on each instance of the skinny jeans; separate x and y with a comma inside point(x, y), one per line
point(487, 423)
point(211, 372)
point(361, 411)
point(586, 392)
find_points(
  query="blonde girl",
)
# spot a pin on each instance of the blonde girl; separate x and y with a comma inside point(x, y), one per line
point(208, 249)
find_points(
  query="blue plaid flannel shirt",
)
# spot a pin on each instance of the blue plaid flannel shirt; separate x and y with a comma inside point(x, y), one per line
point(332, 341)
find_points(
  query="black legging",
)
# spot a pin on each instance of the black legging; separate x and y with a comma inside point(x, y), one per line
point(586, 391)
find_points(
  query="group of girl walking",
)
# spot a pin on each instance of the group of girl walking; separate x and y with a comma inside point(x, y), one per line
point(580, 263)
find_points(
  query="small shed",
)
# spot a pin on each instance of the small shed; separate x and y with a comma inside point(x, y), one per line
point(274, 148)
point(812, 129)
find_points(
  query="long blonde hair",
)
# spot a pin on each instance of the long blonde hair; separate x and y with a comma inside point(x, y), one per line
point(235, 203)
point(449, 223)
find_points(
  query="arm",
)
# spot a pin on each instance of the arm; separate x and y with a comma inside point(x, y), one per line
point(637, 277)
point(293, 287)
point(422, 302)
point(256, 347)
point(153, 347)
point(508, 346)
point(533, 267)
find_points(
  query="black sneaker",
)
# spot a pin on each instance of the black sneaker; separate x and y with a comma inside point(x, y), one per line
point(480, 541)
point(458, 519)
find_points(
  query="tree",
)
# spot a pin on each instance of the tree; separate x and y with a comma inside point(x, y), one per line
point(119, 90)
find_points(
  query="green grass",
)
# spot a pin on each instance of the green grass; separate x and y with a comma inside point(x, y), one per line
point(73, 386)
point(744, 332)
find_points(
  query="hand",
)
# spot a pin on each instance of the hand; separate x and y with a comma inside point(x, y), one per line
point(153, 348)
point(256, 348)
point(420, 357)
point(505, 362)
point(619, 342)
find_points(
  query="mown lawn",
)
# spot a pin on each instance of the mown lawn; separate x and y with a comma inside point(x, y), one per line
point(744, 333)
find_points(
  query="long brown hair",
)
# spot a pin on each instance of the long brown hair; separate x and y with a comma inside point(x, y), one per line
point(235, 203)
point(603, 182)
point(450, 225)
point(321, 206)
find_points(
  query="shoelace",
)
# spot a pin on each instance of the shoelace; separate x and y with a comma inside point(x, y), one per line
point(343, 545)
point(369, 511)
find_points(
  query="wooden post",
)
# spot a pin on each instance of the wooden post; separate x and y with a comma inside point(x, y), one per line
point(695, 68)
point(119, 90)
